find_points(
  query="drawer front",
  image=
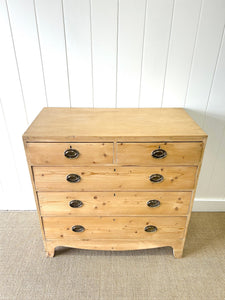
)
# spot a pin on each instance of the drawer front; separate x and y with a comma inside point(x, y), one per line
point(114, 204)
point(55, 154)
point(159, 153)
point(114, 227)
point(112, 179)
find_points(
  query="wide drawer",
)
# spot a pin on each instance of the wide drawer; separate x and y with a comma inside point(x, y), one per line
point(114, 227)
point(114, 204)
point(112, 179)
point(69, 154)
point(159, 153)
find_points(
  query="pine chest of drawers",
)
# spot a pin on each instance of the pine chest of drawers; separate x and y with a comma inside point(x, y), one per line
point(114, 179)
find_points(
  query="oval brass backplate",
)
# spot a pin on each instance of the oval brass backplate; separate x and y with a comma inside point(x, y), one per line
point(78, 228)
point(156, 178)
point(150, 228)
point(71, 153)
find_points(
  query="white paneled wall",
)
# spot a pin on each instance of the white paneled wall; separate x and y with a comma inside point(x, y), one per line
point(111, 53)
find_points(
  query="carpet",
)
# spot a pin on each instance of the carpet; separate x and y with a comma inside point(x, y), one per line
point(26, 273)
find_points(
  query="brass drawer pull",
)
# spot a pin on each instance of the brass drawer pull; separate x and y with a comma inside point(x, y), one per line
point(151, 228)
point(156, 178)
point(71, 153)
point(159, 153)
point(73, 178)
point(78, 228)
point(153, 203)
point(76, 203)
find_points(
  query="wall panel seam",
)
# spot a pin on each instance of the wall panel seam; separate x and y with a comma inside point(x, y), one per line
point(213, 76)
point(168, 50)
point(193, 52)
point(65, 43)
point(142, 53)
point(92, 65)
point(39, 45)
point(16, 60)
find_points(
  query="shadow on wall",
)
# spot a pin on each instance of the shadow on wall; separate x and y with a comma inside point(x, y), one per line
point(211, 181)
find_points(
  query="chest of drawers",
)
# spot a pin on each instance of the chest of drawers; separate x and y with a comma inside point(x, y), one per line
point(114, 179)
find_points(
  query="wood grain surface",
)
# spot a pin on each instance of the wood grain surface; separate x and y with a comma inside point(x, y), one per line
point(114, 204)
point(89, 124)
point(112, 179)
point(141, 153)
point(114, 227)
point(47, 154)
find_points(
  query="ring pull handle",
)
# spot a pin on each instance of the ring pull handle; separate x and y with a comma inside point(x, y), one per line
point(159, 153)
point(156, 178)
point(73, 178)
point(151, 228)
point(78, 228)
point(71, 153)
point(76, 203)
point(153, 203)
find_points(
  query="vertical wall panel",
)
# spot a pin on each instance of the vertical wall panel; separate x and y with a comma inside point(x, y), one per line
point(7, 194)
point(51, 32)
point(78, 40)
point(157, 32)
point(182, 41)
point(104, 44)
point(130, 45)
point(107, 53)
point(216, 187)
point(206, 52)
point(211, 182)
point(28, 55)
point(14, 110)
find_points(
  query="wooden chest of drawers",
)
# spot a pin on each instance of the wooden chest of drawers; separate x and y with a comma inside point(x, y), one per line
point(114, 179)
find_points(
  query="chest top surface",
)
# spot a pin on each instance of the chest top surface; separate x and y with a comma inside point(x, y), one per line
point(98, 124)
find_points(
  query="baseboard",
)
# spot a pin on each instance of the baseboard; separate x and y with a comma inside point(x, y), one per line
point(208, 205)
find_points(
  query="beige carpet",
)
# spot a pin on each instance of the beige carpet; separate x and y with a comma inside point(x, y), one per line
point(25, 272)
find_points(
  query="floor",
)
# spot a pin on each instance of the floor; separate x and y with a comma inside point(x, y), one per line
point(25, 272)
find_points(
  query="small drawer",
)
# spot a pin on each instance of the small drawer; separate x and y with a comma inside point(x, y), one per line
point(114, 179)
point(152, 228)
point(114, 204)
point(69, 154)
point(159, 153)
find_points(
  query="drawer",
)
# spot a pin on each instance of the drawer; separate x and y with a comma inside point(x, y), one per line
point(112, 179)
point(168, 228)
point(159, 153)
point(69, 154)
point(114, 204)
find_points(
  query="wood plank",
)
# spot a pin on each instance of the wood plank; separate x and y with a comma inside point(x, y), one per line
point(78, 41)
point(141, 153)
point(112, 179)
point(74, 124)
point(15, 115)
point(52, 41)
point(169, 228)
point(211, 181)
point(8, 168)
point(204, 62)
point(28, 55)
point(182, 43)
point(157, 32)
point(130, 47)
point(47, 154)
point(104, 47)
point(114, 204)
